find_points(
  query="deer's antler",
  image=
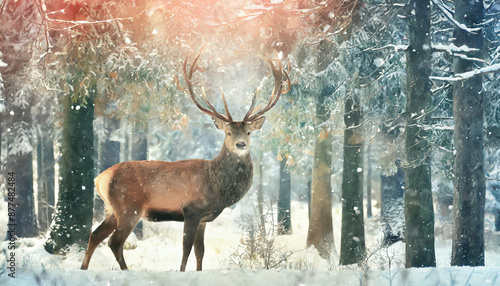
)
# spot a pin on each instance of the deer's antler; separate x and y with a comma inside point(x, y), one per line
point(279, 74)
point(188, 75)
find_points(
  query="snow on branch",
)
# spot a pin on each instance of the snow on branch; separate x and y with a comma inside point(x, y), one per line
point(448, 15)
point(396, 48)
point(470, 74)
point(457, 51)
point(452, 48)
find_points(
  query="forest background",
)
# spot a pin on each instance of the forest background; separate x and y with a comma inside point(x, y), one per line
point(387, 97)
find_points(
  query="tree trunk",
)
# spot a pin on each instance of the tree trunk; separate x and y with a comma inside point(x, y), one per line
point(46, 163)
point(309, 195)
point(20, 162)
point(139, 152)
point(22, 166)
point(260, 196)
point(98, 202)
point(140, 142)
point(368, 182)
point(497, 219)
point(18, 33)
point(110, 150)
point(125, 147)
point(419, 214)
point(42, 195)
point(468, 112)
point(109, 156)
point(73, 218)
point(352, 245)
point(284, 198)
point(392, 190)
point(320, 232)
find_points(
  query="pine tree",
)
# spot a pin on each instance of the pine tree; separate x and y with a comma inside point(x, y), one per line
point(74, 212)
point(468, 113)
point(419, 213)
point(46, 162)
point(352, 245)
point(18, 32)
point(320, 232)
point(284, 199)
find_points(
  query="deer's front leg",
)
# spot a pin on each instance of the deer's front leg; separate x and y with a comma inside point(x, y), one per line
point(199, 246)
point(191, 223)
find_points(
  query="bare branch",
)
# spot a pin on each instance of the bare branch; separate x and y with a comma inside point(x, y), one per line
point(448, 15)
point(469, 74)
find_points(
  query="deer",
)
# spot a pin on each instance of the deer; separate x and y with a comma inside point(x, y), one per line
point(192, 191)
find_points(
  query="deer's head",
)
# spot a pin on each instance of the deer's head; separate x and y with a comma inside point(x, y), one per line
point(238, 133)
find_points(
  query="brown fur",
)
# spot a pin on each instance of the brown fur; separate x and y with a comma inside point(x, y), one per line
point(193, 191)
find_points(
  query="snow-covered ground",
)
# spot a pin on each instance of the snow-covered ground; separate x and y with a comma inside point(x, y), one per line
point(156, 259)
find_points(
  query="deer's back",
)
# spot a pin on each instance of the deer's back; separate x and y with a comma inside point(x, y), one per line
point(156, 185)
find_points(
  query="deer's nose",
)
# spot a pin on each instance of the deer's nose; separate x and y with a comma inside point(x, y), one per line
point(241, 145)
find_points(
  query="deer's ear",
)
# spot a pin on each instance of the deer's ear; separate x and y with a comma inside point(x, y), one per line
point(257, 124)
point(220, 124)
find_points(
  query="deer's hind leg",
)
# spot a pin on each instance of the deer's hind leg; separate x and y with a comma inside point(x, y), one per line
point(191, 224)
point(97, 236)
point(126, 224)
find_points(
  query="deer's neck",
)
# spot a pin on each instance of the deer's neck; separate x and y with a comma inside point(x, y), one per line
point(231, 176)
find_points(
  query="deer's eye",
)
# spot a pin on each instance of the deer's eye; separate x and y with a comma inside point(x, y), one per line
point(248, 133)
point(229, 133)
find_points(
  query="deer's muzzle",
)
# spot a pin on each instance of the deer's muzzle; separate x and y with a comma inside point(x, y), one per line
point(241, 145)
